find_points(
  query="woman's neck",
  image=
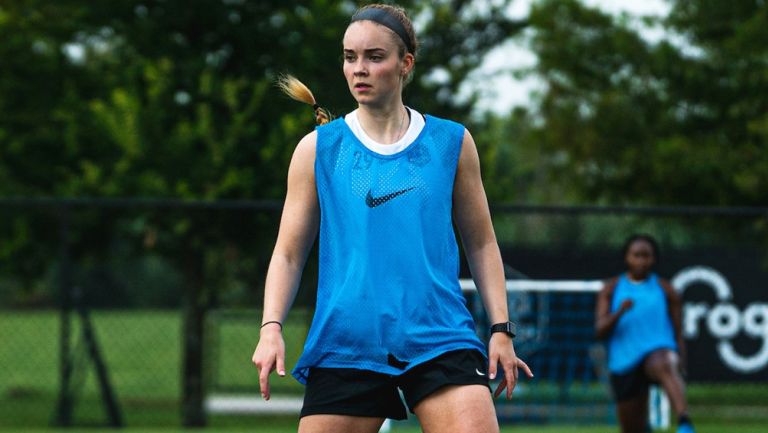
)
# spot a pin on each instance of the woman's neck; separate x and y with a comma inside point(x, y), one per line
point(385, 125)
point(638, 278)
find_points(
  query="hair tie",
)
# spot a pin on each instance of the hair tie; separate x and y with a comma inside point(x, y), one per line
point(273, 321)
point(387, 20)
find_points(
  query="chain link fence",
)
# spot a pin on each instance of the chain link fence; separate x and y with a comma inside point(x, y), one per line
point(133, 312)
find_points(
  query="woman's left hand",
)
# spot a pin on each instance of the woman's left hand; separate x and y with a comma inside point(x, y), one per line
point(501, 351)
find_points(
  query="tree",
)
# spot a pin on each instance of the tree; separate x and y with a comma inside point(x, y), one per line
point(133, 98)
point(681, 121)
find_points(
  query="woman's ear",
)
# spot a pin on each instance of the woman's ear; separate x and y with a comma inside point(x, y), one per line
point(408, 61)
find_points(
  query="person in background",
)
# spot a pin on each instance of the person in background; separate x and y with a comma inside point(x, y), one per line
point(639, 314)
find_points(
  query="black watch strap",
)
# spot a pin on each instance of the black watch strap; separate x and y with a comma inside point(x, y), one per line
point(508, 328)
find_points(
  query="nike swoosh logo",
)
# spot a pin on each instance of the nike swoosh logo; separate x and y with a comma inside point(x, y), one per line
point(479, 373)
point(372, 201)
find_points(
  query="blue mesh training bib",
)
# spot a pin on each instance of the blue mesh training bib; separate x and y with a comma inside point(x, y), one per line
point(642, 329)
point(388, 295)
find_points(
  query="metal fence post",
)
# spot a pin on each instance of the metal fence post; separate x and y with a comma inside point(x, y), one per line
point(63, 416)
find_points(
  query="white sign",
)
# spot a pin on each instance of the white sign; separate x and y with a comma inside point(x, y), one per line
point(724, 320)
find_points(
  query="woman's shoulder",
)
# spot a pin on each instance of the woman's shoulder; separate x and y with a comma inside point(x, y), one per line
point(664, 283)
point(329, 132)
point(441, 121)
point(305, 149)
point(309, 138)
point(609, 284)
point(655, 278)
point(334, 124)
point(450, 130)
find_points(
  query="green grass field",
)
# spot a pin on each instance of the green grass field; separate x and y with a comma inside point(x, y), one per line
point(256, 428)
point(142, 351)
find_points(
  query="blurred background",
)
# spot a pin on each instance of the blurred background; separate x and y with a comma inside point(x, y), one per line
point(143, 156)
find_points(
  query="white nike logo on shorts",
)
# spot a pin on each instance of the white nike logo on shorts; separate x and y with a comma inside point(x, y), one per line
point(479, 373)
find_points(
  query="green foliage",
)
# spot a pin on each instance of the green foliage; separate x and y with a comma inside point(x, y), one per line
point(133, 98)
point(681, 121)
point(160, 99)
point(170, 100)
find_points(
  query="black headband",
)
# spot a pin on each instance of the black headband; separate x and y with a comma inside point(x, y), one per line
point(387, 20)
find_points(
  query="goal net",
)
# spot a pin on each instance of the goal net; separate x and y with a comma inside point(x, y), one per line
point(555, 322)
point(555, 338)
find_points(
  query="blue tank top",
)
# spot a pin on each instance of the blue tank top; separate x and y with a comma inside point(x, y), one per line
point(388, 295)
point(642, 329)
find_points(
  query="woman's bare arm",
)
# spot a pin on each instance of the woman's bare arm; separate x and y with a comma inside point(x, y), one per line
point(298, 229)
point(473, 219)
point(604, 319)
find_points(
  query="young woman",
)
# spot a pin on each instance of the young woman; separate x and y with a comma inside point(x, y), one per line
point(383, 186)
point(640, 315)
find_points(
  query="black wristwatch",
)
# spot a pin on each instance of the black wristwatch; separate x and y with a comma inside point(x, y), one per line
point(508, 328)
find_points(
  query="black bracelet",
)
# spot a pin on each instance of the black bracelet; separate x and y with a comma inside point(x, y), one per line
point(272, 321)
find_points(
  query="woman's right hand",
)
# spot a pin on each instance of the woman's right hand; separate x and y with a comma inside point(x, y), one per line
point(269, 356)
point(626, 305)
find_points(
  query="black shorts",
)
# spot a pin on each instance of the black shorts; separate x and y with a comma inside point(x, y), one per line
point(627, 386)
point(348, 391)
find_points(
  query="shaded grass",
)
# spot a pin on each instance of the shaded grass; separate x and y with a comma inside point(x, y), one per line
point(731, 394)
point(277, 428)
point(142, 350)
point(232, 338)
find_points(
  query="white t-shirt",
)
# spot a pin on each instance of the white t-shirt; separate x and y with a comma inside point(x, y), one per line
point(414, 129)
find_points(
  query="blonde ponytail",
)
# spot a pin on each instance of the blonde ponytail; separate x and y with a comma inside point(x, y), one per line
point(296, 90)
